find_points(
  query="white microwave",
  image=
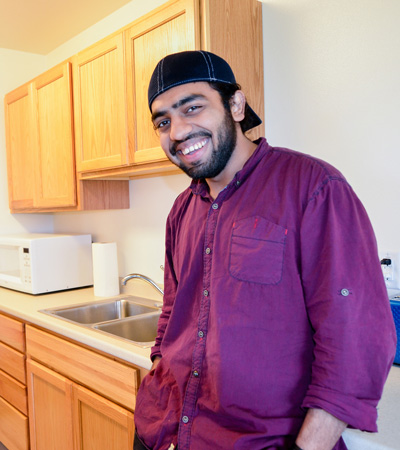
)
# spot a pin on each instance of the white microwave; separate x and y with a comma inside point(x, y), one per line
point(37, 263)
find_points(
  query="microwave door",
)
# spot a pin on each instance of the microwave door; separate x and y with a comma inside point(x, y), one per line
point(11, 263)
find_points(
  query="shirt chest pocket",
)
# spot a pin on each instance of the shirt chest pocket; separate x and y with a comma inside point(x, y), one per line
point(256, 250)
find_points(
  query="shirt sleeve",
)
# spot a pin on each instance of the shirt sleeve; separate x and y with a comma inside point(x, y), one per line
point(170, 286)
point(347, 305)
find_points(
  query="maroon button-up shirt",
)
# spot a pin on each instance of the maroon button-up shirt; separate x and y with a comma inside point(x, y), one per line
point(274, 303)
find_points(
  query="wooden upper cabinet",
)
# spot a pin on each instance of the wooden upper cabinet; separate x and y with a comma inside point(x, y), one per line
point(110, 124)
point(18, 114)
point(54, 161)
point(233, 30)
point(173, 27)
point(229, 28)
point(100, 105)
point(40, 148)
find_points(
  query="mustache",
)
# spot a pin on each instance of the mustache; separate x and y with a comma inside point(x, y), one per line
point(174, 144)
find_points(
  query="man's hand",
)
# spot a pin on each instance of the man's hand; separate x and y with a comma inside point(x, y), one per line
point(320, 431)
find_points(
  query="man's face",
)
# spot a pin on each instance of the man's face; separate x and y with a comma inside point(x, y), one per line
point(196, 132)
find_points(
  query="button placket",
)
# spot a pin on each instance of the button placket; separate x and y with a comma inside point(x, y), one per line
point(191, 394)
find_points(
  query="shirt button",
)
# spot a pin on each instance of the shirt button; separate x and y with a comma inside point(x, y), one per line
point(195, 373)
point(200, 334)
point(205, 292)
point(185, 419)
point(238, 183)
point(208, 250)
point(215, 206)
point(345, 292)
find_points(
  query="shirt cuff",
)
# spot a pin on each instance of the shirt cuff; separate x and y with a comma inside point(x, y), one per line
point(155, 351)
point(359, 414)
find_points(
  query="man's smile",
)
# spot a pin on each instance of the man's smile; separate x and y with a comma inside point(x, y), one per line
point(193, 147)
point(192, 144)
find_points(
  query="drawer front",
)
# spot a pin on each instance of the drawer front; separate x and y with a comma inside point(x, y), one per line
point(12, 333)
point(13, 363)
point(14, 392)
point(14, 432)
point(109, 378)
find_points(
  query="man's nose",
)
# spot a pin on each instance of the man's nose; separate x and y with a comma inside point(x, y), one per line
point(179, 129)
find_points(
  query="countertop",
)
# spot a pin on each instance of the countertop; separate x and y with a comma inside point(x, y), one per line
point(27, 307)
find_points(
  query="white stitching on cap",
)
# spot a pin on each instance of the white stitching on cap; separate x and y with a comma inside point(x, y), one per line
point(211, 64)
point(161, 78)
point(208, 65)
point(158, 76)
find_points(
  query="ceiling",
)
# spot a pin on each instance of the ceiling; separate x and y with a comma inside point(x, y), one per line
point(39, 26)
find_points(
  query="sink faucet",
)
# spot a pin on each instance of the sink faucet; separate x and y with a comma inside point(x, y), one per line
point(144, 278)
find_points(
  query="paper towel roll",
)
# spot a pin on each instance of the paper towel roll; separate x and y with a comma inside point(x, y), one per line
point(105, 269)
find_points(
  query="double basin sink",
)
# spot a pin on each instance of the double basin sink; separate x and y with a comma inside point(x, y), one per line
point(130, 318)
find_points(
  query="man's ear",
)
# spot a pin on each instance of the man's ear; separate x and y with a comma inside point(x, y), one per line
point(238, 103)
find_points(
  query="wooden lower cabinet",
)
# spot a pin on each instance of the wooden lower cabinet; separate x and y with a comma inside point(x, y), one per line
point(100, 424)
point(13, 427)
point(50, 408)
point(77, 399)
point(14, 432)
point(61, 395)
point(65, 416)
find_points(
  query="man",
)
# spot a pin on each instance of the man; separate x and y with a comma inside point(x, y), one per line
point(276, 330)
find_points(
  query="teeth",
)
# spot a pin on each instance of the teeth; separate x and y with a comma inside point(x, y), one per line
point(194, 147)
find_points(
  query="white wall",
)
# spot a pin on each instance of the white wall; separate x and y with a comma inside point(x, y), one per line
point(331, 90)
point(138, 231)
point(332, 71)
point(15, 69)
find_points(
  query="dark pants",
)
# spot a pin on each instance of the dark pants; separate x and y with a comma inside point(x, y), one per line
point(138, 444)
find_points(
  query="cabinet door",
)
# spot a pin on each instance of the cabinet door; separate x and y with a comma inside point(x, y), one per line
point(50, 409)
point(54, 160)
point(13, 427)
point(20, 155)
point(100, 424)
point(100, 106)
point(171, 28)
point(233, 30)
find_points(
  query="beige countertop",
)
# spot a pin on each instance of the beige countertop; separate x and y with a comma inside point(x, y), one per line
point(27, 307)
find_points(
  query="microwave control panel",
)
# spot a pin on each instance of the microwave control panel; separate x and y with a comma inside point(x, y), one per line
point(26, 275)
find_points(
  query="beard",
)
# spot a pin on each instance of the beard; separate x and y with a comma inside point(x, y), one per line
point(221, 154)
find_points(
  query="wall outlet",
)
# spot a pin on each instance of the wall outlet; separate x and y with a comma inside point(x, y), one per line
point(391, 272)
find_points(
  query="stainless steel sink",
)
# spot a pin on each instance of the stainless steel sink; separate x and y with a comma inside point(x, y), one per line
point(100, 312)
point(129, 318)
point(137, 329)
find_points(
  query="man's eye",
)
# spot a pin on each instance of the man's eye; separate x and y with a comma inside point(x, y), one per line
point(162, 124)
point(193, 108)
